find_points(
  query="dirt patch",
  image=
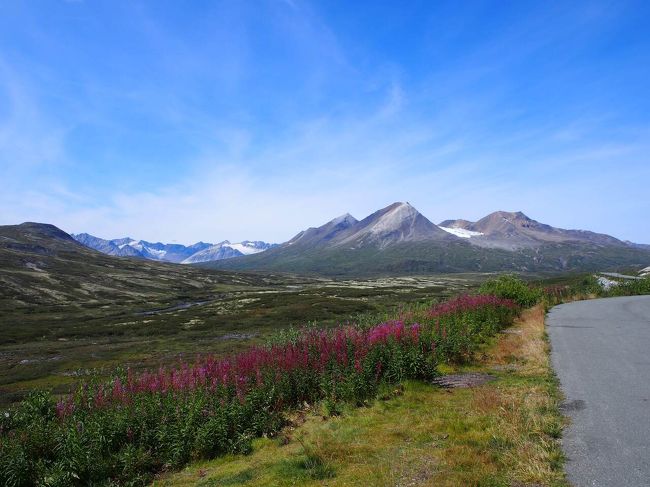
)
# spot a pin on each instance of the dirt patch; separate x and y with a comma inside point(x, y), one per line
point(238, 336)
point(575, 405)
point(470, 379)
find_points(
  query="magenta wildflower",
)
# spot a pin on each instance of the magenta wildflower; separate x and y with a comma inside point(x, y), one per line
point(313, 352)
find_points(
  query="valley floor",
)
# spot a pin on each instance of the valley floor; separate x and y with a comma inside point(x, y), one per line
point(502, 433)
point(55, 347)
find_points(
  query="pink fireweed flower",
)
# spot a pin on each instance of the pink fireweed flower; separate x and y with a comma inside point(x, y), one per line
point(61, 406)
point(415, 329)
point(378, 370)
point(357, 366)
point(340, 351)
point(466, 303)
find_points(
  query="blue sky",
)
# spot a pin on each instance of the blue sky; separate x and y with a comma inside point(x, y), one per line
point(186, 121)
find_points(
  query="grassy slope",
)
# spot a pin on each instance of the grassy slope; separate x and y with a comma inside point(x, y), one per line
point(422, 258)
point(503, 433)
point(41, 269)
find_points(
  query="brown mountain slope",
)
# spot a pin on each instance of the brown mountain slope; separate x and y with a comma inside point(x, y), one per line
point(514, 230)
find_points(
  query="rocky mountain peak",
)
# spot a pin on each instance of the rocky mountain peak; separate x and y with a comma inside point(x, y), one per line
point(394, 216)
point(399, 222)
point(502, 222)
point(345, 219)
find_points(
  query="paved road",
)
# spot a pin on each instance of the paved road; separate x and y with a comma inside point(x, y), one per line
point(622, 276)
point(601, 353)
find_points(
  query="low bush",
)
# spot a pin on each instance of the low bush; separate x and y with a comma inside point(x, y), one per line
point(510, 287)
point(589, 286)
point(578, 288)
point(124, 431)
point(630, 287)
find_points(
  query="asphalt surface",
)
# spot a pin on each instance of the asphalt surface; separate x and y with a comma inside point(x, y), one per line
point(601, 354)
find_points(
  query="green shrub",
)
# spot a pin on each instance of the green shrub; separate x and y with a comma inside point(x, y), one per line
point(511, 287)
point(631, 287)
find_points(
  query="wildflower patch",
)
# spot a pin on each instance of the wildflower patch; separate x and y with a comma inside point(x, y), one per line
point(127, 429)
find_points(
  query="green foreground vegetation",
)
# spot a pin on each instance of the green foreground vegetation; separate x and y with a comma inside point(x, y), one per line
point(123, 430)
point(46, 443)
point(505, 432)
point(502, 433)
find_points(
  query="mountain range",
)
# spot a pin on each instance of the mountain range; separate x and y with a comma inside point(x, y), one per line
point(394, 240)
point(399, 239)
point(176, 253)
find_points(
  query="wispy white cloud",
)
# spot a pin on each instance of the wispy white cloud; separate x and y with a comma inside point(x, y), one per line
point(458, 141)
point(328, 167)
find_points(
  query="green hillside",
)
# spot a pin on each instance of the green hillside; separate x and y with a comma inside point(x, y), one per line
point(435, 257)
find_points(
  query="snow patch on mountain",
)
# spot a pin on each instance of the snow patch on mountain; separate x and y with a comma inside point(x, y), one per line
point(227, 250)
point(158, 254)
point(461, 232)
point(136, 244)
point(245, 248)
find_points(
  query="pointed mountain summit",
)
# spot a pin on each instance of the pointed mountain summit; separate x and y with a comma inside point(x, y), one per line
point(325, 233)
point(399, 222)
point(345, 220)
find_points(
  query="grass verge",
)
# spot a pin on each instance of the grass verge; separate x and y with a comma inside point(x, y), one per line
point(502, 433)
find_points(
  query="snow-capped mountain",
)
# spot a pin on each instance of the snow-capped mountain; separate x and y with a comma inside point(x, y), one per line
point(227, 250)
point(198, 252)
point(119, 247)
